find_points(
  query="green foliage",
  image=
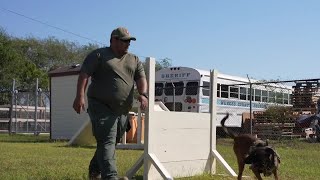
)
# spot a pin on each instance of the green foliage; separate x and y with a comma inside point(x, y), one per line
point(51, 52)
point(25, 59)
point(163, 63)
point(10, 61)
point(279, 114)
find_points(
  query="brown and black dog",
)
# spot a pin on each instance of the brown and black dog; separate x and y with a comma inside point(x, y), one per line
point(251, 150)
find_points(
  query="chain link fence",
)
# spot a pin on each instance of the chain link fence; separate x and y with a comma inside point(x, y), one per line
point(25, 111)
point(270, 110)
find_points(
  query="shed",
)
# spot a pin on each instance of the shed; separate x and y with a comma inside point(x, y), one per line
point(65, 122)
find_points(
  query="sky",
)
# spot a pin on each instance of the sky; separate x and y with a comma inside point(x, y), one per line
point(262, 39)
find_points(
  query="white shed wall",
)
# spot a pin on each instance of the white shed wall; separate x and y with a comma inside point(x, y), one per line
point(65, 122)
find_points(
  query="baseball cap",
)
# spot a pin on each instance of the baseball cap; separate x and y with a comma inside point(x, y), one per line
point(122, 33)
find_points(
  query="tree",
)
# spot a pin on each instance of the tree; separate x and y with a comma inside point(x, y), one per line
point(51, 52)
point(26, 59)
point(10, 60)
point(279, 114)
point(42, 55)
point(163, 63)
point(14, 65)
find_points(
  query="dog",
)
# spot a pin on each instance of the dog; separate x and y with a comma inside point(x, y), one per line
point(251, 150)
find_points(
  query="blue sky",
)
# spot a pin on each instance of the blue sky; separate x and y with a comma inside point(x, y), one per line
point(270, 39)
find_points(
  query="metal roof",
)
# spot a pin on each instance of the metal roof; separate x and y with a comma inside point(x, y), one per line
point(65, 71)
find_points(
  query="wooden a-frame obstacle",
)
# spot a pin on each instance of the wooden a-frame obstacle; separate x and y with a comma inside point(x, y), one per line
point(178, 144)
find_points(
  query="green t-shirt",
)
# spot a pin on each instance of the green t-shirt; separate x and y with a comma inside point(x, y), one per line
point(112, 79)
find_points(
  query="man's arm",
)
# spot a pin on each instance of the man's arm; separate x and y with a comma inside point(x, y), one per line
point(79, 101)
point(142, 87)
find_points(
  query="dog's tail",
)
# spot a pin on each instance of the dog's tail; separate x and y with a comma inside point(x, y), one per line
point(226, 129)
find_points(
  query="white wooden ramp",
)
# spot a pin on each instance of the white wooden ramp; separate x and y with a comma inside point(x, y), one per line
point(84, 136)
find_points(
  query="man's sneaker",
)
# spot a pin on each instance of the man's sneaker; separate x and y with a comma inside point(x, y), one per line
point(94, 176)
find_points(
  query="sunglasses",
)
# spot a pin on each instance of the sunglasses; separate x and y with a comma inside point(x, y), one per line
point(124, 41)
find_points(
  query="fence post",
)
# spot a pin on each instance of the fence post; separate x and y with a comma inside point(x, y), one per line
point(28, 99)
point(11, 106)
point(36, 109)
point(250, 108)
point(174, 96)
point(250, 101)
point(16, 109)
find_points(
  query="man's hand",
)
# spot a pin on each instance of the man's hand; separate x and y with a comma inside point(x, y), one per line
point(78, 104)
point(143, 102)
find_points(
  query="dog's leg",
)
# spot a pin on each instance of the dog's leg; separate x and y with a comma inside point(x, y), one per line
point(241, 168)
point(256, 173)
point(275, 173)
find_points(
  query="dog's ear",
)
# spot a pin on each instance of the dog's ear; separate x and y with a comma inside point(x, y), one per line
point(273, 155)
point(270, 150)
point(260, 143)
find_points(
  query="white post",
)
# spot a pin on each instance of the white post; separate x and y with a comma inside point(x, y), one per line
point(213, 117)
point(213, 132)
point(150, 79)
point(148, 158)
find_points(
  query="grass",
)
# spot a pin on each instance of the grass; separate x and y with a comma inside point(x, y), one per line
point(35, 157)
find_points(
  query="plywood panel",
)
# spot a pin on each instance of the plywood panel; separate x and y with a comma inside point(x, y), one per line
point(181, 169)
point(180, 140)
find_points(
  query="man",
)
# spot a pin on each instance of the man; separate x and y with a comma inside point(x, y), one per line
point(113, 72)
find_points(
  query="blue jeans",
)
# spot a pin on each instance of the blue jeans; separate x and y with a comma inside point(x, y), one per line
point(106, 126)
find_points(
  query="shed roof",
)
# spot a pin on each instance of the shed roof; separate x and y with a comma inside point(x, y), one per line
point(65, 71)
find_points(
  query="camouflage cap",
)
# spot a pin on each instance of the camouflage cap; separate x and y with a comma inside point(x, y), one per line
point(122, 33)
